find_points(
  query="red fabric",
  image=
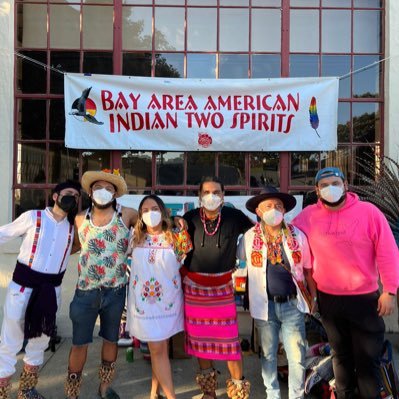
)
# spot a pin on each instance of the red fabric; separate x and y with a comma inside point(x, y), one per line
point(206, 280)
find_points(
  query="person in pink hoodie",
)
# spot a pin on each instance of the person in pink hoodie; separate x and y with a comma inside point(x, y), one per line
point(352, 248)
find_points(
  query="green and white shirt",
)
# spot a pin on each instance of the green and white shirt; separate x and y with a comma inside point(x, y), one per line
point(103, 258)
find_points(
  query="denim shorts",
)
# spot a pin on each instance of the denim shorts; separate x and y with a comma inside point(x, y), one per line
point(86, 306)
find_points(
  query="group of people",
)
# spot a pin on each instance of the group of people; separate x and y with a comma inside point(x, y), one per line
point(181, 280)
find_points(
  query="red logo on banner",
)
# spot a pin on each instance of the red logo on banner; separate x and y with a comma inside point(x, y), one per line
point(204, 140)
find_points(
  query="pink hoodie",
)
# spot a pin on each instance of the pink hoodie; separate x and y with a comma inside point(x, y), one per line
point(351, 247)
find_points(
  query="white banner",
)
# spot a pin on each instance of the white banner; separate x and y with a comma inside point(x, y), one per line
point(138, 113)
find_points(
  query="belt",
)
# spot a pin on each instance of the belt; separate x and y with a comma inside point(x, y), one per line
point(281, 298)
point(104, 288)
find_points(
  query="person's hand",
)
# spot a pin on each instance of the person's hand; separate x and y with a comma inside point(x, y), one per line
point(180, 223)
point(386, 304)
point(314, 310)
point(315, 307)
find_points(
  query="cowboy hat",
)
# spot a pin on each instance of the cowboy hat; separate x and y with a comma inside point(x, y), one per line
point(268, 192)
point(90, 177)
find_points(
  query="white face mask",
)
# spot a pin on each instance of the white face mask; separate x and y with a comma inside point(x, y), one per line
point(102, 196)
point(332, 193)
point(211, 202)
point(272, 217)
point(152, 218)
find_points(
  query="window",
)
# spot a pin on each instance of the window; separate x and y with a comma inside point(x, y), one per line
point(204, 39)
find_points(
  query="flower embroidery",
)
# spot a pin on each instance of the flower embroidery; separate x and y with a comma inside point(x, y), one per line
point(151, 292)
point(139, 311)
point(135, 281)
point(256, 259)
point(296, 256)
point(258, 243)
point(292, 243)
point(152, 256)
point(182, 244)
point(276, 257)
point(175, 282)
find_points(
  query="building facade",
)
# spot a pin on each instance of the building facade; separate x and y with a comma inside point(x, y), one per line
point(190, 39)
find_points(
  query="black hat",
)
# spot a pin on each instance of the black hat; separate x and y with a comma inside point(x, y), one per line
point(67, 184)
point(268, 192)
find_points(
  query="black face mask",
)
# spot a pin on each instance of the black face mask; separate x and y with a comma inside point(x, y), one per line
point(68, 203)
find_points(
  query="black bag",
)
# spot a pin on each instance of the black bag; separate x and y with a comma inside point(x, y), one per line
point(389, 376)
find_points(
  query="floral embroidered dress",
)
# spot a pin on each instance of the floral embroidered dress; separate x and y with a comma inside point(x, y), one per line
point(155, 299)
point(103, 258)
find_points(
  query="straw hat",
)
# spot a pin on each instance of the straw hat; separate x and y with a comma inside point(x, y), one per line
point(114, 178)
point(268, 192)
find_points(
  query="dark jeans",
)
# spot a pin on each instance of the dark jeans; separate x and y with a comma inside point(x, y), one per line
point(87, 305)
point(356, 335)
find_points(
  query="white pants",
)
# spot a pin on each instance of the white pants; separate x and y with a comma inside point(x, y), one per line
point(12, 332)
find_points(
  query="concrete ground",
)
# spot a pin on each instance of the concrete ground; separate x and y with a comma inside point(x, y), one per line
point(133, 379)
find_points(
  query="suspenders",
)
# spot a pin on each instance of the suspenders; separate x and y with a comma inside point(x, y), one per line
point(36, 239)
point(67, 247)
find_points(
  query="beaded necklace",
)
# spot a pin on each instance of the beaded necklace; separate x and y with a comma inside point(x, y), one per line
point(204, 220)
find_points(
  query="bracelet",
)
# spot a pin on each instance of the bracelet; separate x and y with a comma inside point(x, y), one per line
point(315, 299)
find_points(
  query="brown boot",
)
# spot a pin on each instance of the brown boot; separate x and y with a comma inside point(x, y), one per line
point(207, 381)
point(238, 389)
point(106, 373)
point(27, 383)
point(5, 387)
point(72, 384)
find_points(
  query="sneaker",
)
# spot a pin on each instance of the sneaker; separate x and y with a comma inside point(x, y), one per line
point(311, 362)
point(311, 380)
point(29, 394)
point(109, 394)
point(325, 368)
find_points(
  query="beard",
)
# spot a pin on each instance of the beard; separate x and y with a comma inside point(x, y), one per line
point(105, 206)
point(336, 203)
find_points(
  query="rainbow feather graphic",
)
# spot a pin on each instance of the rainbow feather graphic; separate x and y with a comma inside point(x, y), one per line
point(313, 117)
